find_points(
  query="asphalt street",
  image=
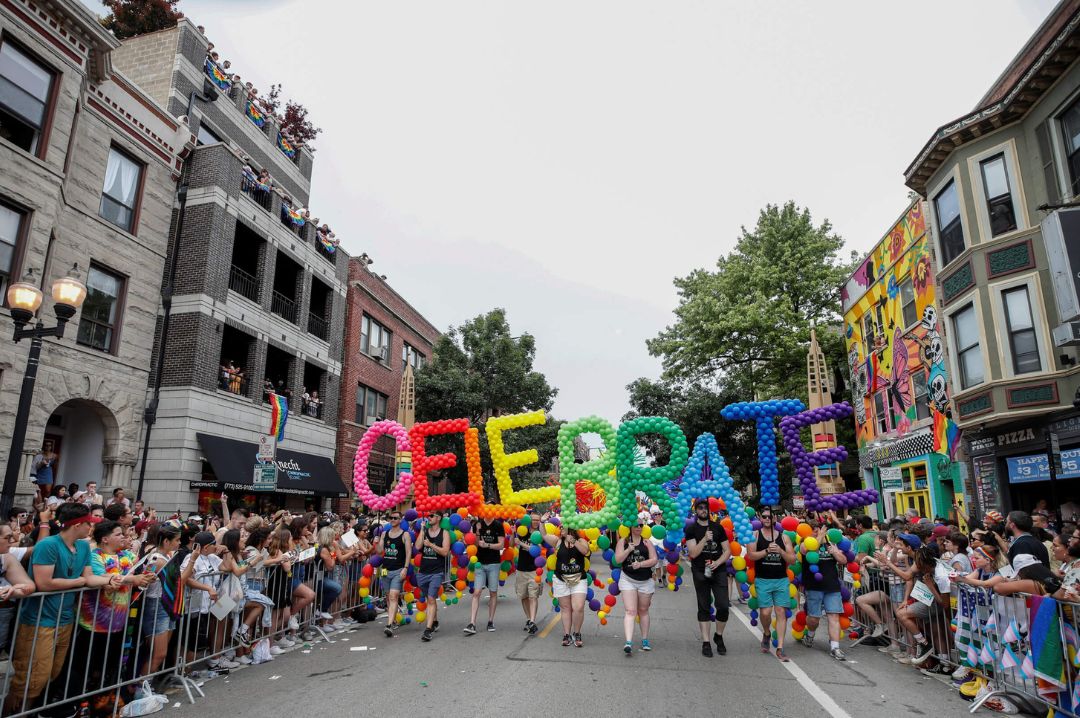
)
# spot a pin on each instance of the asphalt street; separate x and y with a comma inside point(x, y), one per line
point(362, 671)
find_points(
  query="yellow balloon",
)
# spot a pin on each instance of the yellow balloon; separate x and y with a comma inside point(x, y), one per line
point(646, 532)
point(810, 543)
point(624, 531)
point(592, 534)
point(523, 530)
point(551, 562)
point(502, 575)
point(421, 616)
point(364, 593)
point(738, 563)
point(601, 614)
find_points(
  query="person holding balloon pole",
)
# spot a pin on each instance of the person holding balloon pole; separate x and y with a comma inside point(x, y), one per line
point(395, 546)
point(821, 582)
point(772, 553)
point(526, 584)
point(637, 557)
point(709, 550)
point(570, 584)
point(490, 541)
point(433, 544)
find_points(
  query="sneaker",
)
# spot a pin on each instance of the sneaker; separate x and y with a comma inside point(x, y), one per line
point(242, 637)
point(808, 639)
point(426, 635)
point(765, 640)
point(781, 655)
point(491, 627)
point(721, 649)
point(285, 643)
point(566, 639)
point(224, 663)
point(276, 651)
point(294, 623)
point(879, 631)
point(706, 649)
point(960, 672)
point(326, 616)
point(527, 624)
point(470, 630)
point(388, 631)
point(533, 628)
point(435, 626)
point(837, 654)
point(922, 652)
point(309, 635)
point(577, 640)
point(645, 644)
point(628, 647)
point(245, 660)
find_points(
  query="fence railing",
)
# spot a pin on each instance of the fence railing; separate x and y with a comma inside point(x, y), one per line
point(243, 283)
point(317, 325)
point(283, 306)
point(259, 195)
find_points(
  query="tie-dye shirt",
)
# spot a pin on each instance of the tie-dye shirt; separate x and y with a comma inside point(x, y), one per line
point(105, 610)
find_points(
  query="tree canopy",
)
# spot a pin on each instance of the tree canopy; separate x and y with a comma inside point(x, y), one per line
point(128, 18)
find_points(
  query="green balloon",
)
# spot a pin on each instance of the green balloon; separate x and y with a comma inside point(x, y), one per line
point(504, 566)
point(752, 603)
point(812, 557)
point(445, 524)
point(659, 532)
point(603, 542)
point(537, 538)
point(740, 576)
point(750, 513)
point(835, 535)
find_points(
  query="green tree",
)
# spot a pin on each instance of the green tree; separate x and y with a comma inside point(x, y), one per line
point(128, 18)
point(480, 370)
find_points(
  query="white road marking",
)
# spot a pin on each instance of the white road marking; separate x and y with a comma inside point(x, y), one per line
point(358, 648)
point(824, 699)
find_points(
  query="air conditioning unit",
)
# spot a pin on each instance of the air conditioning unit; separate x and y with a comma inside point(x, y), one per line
point(1061, 236)
point(384, 353)
point(1067, 334)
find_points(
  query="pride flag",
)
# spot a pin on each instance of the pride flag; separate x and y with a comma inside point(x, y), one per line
point(295, 217)
point(279, 414)
point(327, 243)
point(284, 146)
point(941, 432)
point(216, 75)
point(254, 115)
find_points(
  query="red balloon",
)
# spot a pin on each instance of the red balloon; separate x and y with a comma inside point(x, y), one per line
point(609, 600)
point(470, 538)
point(790, 523)
point(367, 570)
point(849, 609)
point(800, 618)
point(714, 505)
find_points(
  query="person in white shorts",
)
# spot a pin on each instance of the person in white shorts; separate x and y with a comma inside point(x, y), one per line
point(570, 584)
point(637, 557)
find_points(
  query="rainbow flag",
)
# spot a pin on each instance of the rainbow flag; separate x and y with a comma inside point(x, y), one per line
point(941, 432)
point(279, 414)
point(219, 78)
point(254, 115)
point(327, 243)
point(295, 217)
point(284, 146)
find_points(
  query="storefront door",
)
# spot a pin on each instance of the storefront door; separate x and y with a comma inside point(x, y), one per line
point(918, 500)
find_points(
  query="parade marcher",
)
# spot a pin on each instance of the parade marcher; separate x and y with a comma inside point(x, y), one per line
point(395, 546)
point(490, 541)
point(526, 584)
point(772, 554)
point(570, 584)
point(823, 597)
point(433, 543)
point(709, 550)
point(636, 586)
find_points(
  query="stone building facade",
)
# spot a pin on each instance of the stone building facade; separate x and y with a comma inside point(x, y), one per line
point(88, 171)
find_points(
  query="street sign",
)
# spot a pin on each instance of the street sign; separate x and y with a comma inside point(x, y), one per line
point(265, 478)
point(267, 448)
point(892, 478)
point(1055, 453)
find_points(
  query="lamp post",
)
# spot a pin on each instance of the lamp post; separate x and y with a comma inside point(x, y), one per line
point(24, 299)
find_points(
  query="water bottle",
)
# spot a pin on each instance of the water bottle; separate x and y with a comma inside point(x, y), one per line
point(708, 572)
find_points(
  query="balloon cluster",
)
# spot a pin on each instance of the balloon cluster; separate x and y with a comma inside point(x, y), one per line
point(763, 413)
point(804, 462)
point(649, 480)
point(502, 462)
point(476, 483)
point(694, 487)
point(597, 471)
point(810, 553)
point(422, 464)
point(360, 466)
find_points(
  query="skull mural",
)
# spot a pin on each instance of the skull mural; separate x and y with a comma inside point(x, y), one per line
point(939, 389)
point(929, 318)
point(933, 349)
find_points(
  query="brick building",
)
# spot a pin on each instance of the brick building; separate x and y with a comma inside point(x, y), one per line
point(256, 298)
point(88, 170)
point(383, 335)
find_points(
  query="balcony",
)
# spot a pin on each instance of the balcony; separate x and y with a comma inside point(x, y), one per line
point(293, 222)
point(283, 306)
point(233, 382)
point(317, 326)
point(312, 408)
point(261, 195)
point(243, 283)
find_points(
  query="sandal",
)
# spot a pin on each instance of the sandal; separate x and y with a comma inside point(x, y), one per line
point(577, 640)
point(781, 655)
point(566, 639)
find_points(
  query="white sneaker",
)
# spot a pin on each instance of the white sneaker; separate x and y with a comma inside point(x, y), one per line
point(326, 616)
point(294, 623)
point(285, 643)
point(224, 663)
point(879, 631)
point(244, 660)
point(340, 625)
point(275, 651)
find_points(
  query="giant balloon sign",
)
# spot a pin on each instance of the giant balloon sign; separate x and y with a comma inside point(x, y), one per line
point(622, 485)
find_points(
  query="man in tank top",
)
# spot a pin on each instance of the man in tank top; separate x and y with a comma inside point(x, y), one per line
point(433, 545)
point(772, 553)
point(395, 546)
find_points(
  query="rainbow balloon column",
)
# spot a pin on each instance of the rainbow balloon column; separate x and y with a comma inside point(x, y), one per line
point(763, 413)
point(805, 462)
point(363, 453)
point(809, 553)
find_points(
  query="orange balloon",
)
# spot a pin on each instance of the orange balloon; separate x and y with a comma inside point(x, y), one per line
point(845, 622)
point(459, 585)
point(736, 548)
point(726, 522)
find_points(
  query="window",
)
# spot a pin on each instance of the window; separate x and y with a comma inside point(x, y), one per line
point(921, 395)
point(100, 311)
point(206, 136)
point(999, 204)
point(1070, 126)
point(1022, 342)
point(25, 86)
point(409, 355)
point(950, 229)
point(375, 339)
point(907, 299)
point(10, 230)
point(370, 405)
point(968, 351)
point(120, 195)
point(881, 414)
point(868, 333)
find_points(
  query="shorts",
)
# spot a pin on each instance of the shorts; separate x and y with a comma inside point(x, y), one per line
point(773, 592)
point(392, 581)
point(817, 600)
point(155, 620)
point(896, 593)
point(526, 586)
point(430, 583)
point(648, 586)
point(486, 575)
point(918, 610)
point(561, 590)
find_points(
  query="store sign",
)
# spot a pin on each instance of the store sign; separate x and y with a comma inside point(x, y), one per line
point(1036, 467)
point(984, 470)
point(1016, 437)
point(264, 478)
point(892, 478)
point(981, 446)
point(267, 448)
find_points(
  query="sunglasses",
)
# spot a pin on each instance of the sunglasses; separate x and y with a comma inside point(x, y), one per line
point(395, 518)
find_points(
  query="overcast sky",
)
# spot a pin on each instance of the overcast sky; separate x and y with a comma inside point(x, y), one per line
point(566, 160)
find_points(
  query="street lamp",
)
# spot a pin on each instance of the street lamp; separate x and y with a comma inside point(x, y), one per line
point(24, 299)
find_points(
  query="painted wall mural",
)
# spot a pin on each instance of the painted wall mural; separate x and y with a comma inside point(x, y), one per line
point(896, 354)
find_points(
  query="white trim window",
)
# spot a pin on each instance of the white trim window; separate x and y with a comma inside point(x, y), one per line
point(1020, 328)
point(969, 356)
point(1070, 131)
point(950, 227)
point(1000, 207)
point(921, 394)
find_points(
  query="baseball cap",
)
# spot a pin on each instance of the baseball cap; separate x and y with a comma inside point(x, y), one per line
point(911, 540)
point(940, 532)
point(994, 517)
point(204, 538)
point(701, 502)
point(1024, 560)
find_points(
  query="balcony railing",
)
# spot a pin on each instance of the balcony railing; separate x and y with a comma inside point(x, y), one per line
point(233, 382)
point(259, 194)
point(312, 408)
point(316, 325)
point(243, 283)
point(290, 224)
point(283, 306)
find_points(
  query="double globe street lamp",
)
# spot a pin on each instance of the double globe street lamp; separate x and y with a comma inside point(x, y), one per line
point(24, 298)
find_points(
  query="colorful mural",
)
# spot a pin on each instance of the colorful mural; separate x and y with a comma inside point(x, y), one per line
point(895, 350)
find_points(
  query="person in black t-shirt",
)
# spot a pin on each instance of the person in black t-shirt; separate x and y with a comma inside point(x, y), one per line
point(395, 546)
point(490, 541)
point(570, 584)
point(525, 584)
point(433, 544)
point(823, 596)
point(709, 551)
point(1019, 526)
point(637, 556)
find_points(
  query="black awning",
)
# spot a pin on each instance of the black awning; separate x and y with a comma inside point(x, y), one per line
point(298, 473)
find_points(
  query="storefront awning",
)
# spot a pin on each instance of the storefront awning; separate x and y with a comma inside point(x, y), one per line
point(298, 473)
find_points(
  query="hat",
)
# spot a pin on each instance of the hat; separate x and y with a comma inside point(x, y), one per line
point(1030, 568)
point(994, 517)
point(911, 540)
point(143, 525)
point(204, 538)
point(940, 532)
point(1024, 560)
point(701, 502)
